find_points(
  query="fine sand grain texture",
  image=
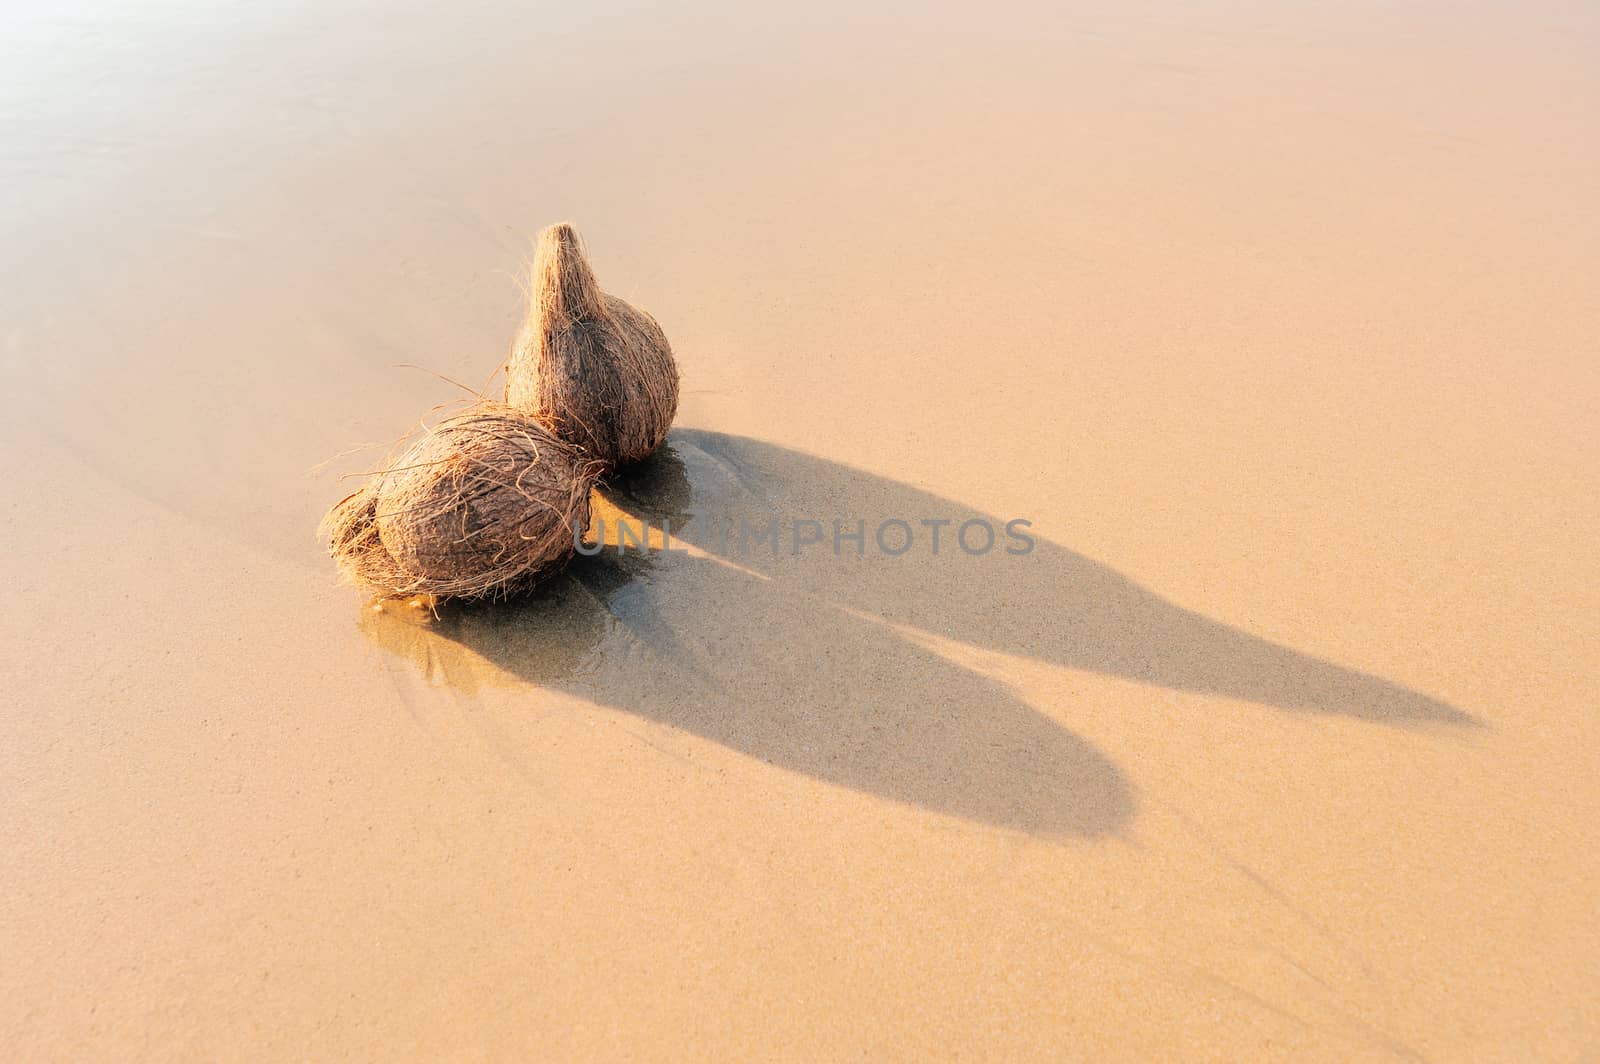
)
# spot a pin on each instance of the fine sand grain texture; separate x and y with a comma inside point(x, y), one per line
point(1278, 323)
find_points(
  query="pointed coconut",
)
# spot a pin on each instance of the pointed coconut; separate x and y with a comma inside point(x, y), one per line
point(590, 367)
point(483, 505)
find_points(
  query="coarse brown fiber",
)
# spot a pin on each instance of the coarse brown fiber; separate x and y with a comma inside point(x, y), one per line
point(592, 368)
point(481, 505)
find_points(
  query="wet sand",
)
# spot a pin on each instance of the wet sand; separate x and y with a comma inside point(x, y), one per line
point(1278, 325)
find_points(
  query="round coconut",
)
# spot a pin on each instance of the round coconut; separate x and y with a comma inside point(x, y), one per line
point(482, 505)
point(590, 367)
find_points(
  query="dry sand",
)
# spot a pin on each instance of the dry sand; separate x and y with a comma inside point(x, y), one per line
point(1279, 323)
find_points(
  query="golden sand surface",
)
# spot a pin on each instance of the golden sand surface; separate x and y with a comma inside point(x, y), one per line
point(1277, 322)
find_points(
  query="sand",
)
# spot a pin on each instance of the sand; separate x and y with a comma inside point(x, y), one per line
point(1277, 323)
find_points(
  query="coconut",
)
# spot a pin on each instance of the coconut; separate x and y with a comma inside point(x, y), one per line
point(593, 369)
point(482, 505)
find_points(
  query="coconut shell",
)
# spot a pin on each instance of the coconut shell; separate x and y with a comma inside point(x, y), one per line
point(482, 505)
point(590, 367)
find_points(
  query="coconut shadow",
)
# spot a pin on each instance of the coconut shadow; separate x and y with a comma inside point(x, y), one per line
point(788, 659)
point(1053, 605)
point(781, 677)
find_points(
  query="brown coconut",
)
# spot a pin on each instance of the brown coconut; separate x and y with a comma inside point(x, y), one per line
point(482, 505)
point(593, 369)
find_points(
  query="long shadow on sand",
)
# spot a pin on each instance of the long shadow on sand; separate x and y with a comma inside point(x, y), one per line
point(1053, 605)
point(787, 658)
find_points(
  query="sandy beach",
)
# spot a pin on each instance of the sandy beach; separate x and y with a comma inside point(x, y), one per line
point(1276, 324)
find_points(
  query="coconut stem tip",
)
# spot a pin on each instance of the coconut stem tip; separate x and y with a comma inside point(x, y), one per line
point(564, 285)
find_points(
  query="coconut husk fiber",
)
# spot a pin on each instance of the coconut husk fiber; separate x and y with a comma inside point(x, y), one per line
point(593, 369)
point(482, 505)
